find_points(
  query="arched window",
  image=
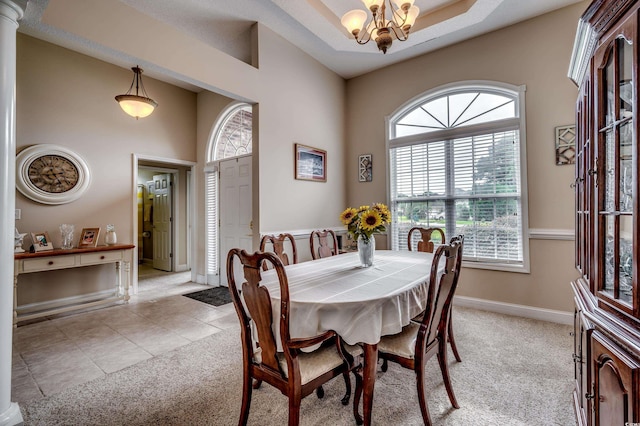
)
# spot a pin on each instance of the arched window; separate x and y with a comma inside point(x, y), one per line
point(234, 134)
point(457, 161)
point(231, 137)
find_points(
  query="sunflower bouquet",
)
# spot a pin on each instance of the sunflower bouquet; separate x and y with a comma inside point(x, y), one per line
point(366, 220)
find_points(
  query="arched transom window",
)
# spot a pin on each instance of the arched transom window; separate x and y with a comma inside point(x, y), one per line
point(234, 135)
point(457, 162)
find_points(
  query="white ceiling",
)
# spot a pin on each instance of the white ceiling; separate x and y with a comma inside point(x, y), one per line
point(312, 25)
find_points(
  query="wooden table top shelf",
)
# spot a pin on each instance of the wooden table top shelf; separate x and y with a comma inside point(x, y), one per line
point(62, 252)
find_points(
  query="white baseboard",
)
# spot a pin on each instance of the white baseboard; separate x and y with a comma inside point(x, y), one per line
point(542, 314)
point(11, 417)
point(66, 301)
point(182, 268)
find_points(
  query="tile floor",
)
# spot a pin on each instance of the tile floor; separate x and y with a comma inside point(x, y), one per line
point(63, 351)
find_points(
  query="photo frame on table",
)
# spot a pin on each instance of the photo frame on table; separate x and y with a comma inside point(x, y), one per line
point(89, 237)
point(41, 241)
point(310, 163)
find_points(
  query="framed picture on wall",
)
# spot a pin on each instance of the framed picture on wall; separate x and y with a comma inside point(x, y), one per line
point(41, 241)
point(310, 163)
point(89, 237)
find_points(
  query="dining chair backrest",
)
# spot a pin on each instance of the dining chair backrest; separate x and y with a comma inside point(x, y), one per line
point(323, 243)
point(291, 370)
point(442, 286)
point(257, 304)
point(425, 243)
point(277, 245)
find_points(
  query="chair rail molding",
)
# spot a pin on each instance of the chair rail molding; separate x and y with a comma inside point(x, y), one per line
point(551, 234)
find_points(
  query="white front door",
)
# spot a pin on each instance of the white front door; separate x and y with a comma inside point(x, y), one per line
point(162, 218)
point(235, 209)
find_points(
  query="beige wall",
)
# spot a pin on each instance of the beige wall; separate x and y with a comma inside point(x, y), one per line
point(67, 99)
point(296, 100)
point(534, 53)
point(71, 103)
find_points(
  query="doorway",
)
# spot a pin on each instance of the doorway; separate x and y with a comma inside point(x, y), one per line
point(163, 218)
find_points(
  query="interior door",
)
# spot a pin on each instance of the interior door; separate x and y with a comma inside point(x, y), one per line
point(162, 217)
point(235, 209)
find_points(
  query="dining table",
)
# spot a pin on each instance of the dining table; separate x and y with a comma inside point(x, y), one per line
point(361, 304)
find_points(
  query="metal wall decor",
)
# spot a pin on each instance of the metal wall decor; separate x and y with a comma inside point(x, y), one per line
point(365, 168)
point(565, 145)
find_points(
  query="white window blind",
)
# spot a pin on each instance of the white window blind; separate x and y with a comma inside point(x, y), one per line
point(211, 206)
point(466, 181)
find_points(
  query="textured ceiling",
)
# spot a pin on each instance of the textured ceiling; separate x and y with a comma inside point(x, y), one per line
point(312, 25)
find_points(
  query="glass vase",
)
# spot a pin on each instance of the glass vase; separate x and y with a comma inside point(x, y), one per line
point(110, 237)
point(366, 249)
point(66, 232)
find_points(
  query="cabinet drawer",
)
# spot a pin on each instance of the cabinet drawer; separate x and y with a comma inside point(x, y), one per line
point(101, 257)
point(59, 262)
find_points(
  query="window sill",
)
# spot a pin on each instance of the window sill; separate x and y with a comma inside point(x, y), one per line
point(502, 267)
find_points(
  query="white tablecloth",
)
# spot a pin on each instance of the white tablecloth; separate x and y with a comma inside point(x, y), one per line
point(360, 304)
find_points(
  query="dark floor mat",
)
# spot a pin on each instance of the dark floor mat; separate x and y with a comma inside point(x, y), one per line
point(215, 296)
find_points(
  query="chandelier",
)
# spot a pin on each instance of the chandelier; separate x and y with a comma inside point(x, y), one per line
point(135, 105)
point(381, 28)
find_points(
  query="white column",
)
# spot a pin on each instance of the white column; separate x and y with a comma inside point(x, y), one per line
point(10, 13)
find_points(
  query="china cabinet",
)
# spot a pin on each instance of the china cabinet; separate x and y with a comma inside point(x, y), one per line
point(607, 297)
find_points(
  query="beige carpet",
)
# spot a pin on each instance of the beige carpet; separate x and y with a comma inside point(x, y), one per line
point(514, 372)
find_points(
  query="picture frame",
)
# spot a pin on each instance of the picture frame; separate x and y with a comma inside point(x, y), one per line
point(310, 163)
point(89, 237)
point(41, 241)
point(365, 168)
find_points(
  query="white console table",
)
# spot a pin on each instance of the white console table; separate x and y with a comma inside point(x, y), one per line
point(120, 255)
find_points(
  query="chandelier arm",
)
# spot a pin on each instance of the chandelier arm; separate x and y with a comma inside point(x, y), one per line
point(130, 91)
point(399, 33)
point(397, 15)
point(144, 92)
point(367, 37)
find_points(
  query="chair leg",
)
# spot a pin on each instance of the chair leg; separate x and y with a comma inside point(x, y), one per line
point(246, 399)
point(385, 365)
point(444, 368)
point(356, 399)
point(294, 410)
point(424, 409)
point(347, 384)
point(451, 339)
point(320, 392)
point(256, 384)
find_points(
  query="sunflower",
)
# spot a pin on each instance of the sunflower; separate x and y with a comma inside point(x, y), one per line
point(347, 216)
point(366, 220)
point(370, 220)
point(383, 210)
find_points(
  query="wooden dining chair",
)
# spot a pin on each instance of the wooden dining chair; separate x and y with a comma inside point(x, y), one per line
point(323, 243)
point(418, 342)
point(425, 244)
point(277, 245)
point(290, 369)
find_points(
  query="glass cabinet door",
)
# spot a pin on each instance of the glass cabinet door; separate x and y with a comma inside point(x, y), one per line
point(617, 177)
